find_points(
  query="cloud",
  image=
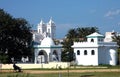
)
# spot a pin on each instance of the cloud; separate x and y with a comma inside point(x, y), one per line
point(118, 23)
point(62, 29)
point(66, 26)
point(92, 11)
point(112, 13)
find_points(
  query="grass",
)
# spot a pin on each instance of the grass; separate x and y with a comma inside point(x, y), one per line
point(79, 68)
point(93, 74)
point(14, 75)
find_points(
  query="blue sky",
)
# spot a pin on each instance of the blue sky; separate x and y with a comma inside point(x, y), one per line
point(67, 14)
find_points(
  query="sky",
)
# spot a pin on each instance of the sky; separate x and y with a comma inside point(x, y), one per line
point(67, 14)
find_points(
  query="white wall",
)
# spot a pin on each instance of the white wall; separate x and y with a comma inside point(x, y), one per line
point(86, 59)
point(102, 55)
point(31, 66)
point(113, 57)
point(107, 55)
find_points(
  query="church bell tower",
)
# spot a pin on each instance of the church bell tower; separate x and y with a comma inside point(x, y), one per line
point(41, 27)
point(51, 28)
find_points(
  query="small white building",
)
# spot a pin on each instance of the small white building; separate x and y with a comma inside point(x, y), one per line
point(95, 51)
point(47, 51)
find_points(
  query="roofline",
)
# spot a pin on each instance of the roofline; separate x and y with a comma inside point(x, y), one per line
point(95, 36)
point(37, 46)
point(47, 47)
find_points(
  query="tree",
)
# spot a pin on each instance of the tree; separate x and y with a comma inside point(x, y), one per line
point(67, 54)
point(116, 38)
point(78, 34)
point(84, 31)
point(15, 37)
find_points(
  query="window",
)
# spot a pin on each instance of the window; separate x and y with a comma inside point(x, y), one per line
point(85, 52)
point(92, 40)
point(100, 40)
point(92, 52)
point(78, 52)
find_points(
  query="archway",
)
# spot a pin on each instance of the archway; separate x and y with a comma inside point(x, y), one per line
point(55, 56)
point(42, 57)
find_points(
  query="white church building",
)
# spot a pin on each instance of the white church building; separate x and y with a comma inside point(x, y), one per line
point(96, 50)
point(45, 50)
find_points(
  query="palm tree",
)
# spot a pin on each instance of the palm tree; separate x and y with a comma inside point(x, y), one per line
point(84, 31)
point(71, 33)
point(68, 42)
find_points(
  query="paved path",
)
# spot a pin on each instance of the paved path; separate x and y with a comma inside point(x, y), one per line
point(64, 71)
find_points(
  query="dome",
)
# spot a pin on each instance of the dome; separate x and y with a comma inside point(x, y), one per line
point(47, 42)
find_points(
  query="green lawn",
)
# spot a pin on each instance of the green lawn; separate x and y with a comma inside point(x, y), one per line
point(93, 74)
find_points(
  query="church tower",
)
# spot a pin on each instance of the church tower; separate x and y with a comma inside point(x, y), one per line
point(51, 28)
point(41, 27)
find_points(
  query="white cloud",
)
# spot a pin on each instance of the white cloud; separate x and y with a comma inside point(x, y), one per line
point(62, 29)
point(66, 26)
point(92, 11)
point(118, 24)
point(112, 13)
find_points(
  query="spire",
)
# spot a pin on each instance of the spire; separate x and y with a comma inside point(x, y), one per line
point(41, 22)
point(51, 21)
point(113, 31)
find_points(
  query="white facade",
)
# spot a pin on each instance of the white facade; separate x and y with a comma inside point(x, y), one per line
point(47, 51)
point(95, 51)
point(47, 29)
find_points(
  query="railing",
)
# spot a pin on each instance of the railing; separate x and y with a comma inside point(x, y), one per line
point(93, 44)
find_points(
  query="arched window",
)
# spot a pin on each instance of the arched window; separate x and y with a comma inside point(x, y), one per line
point(92, 40)
point(78, 52)
point(101, 39)
point(54, 52)
point(92, 52)
point(85, 52)
point(55, 56)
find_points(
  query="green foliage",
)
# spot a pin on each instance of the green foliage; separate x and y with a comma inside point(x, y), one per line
point(3, 58)
point(117, 39)
point(84, 31)
point(78, 34)
point(15, 36)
